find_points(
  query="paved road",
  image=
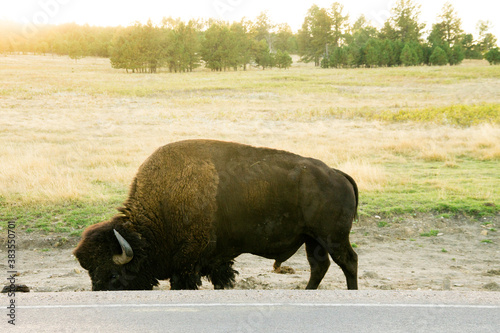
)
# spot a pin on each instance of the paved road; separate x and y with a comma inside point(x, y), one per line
point(258, 311)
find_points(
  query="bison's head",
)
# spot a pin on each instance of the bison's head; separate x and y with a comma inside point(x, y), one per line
point(115, 257)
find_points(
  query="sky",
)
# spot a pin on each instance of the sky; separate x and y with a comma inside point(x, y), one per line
point(125, 12)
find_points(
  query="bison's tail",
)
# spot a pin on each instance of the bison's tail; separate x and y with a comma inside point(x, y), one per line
point(355, 187)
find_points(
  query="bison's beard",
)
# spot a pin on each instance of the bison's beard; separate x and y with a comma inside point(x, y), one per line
point(123, 280)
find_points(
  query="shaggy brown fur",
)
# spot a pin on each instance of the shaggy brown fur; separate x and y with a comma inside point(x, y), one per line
point(196, 205)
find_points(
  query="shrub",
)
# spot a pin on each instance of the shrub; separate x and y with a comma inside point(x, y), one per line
point(338, 57)
point(409, 56)
point(387, 53)
point(457, 54)
point(438, 57)
point(493, 56)
point(371, 53)
point(283, 59)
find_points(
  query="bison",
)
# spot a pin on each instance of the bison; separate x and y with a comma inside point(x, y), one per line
point(195, 205)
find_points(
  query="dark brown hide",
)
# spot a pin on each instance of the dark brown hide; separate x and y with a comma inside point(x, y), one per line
point(196, 205)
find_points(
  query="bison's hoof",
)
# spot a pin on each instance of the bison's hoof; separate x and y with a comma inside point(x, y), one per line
point(284, 270)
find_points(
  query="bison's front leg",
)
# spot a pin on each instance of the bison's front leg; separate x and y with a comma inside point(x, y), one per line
point(186, 270)
point(223, 275)
point(189, 279)
point(186, 263)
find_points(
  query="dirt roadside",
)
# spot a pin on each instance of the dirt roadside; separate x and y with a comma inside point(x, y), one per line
point(462, 254)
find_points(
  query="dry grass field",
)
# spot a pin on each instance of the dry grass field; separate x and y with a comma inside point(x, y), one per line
point(423, 143)
point(73, 133)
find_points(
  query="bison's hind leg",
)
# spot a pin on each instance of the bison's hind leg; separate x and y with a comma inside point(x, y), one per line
point(347, 259)
point(222, 276)
point(318, 259)
point(277, 266)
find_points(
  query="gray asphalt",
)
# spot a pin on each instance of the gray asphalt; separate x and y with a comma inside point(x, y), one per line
point(257, 311)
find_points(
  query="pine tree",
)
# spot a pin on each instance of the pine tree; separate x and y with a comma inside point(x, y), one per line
point(215, 47)
point(450, 24)
point(405, 21)
point(338, 58)
point(304, 42)
point(419, 52)
point(353, 57)
point(181, 45)
point(171, 48)
point(486, 40)
point(339, 24)
point(262, 28)
point(408, 56)
point(371, 52)
point(471, 49)
point(191, 46)
point(122, 50)
point(242, 45)
point(388, 31)
point(387, 55)
point(426, 53)
point(262, 54)
point(315, 36)
point(284, 39)
point(437, 36)
point(493, 56)
point(438, 57)
point(361, 34)
point(75, 50)
point(282, 59)
point(398, 49)
point(456, 54)
point(151, 52)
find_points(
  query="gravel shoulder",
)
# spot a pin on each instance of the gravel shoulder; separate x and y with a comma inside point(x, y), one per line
point(264, 297)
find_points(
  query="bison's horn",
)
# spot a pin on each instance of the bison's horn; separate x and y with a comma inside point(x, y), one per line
point(127, 252)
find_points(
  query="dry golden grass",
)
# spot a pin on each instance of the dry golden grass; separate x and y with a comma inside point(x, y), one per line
point(73, 131)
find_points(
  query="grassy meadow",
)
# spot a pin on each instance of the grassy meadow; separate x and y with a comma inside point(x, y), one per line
point(416, 139)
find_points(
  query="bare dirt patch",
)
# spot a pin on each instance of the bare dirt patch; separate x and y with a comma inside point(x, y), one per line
point(464, 254)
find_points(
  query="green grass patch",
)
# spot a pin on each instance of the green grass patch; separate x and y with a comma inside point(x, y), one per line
point(382, 224)
point(69, 218)
point(431, 233)
point(431, 187)
point(457, 115)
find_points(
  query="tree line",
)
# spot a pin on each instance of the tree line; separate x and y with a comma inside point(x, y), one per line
point(65, 39)
point(181, 46)
point(173, 44)
point(327, 38)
